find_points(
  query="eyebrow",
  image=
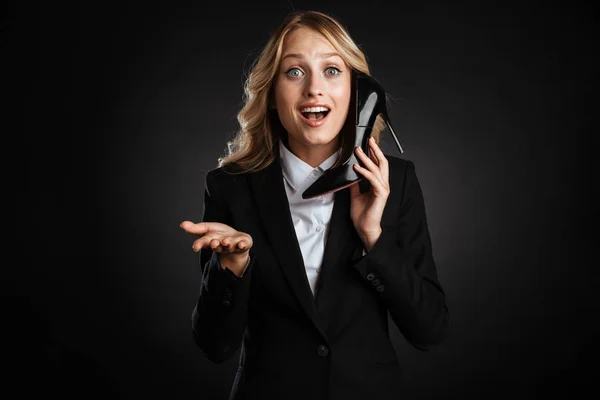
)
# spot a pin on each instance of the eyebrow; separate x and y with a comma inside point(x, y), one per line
point(320, 55)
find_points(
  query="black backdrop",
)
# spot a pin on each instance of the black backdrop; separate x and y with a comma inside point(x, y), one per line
point(115, 112)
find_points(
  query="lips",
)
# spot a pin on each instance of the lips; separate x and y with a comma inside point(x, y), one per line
point(307, 111)
point(313, 123)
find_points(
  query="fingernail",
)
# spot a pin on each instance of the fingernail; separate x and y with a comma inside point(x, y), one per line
point(359, 149)
point(372, 139)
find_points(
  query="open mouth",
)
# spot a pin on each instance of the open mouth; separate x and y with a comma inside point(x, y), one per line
point(314, 114)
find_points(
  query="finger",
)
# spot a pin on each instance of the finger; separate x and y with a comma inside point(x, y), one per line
point(215, 245)
point(225, 244)
point(376, 182)
point(369, 164)
point(195, 229)
point(185, 225)
point(372, 153)
point(233, 246)
point(242, 241)
point(230, 244)
point(381, 159)
point(207, 242)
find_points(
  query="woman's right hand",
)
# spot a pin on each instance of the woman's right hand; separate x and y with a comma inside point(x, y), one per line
point(233, 246)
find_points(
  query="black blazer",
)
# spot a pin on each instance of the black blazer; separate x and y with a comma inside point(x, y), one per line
point(334, 345)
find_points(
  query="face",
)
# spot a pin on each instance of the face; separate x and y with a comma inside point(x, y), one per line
point(312, 93)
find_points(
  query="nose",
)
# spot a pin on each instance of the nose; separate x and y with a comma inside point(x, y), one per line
point(314, 85)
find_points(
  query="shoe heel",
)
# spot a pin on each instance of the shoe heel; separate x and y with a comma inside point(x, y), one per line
point(386, 118)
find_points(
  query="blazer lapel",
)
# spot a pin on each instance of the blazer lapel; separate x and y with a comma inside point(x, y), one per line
point(338, 237)
point(342, 243)
point(276, 219)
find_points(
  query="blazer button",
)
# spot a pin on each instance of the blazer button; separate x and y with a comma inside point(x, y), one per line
point(322, 351)
point(375, 282)
point(379, 288)
point(226, 302)
point(370, 276)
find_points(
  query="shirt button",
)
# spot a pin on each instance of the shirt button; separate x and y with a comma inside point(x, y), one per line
point(315, 173)
point(319, 228)
point(322, 351)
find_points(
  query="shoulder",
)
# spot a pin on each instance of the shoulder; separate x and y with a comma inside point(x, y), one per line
point(398, 163)
point(224, 179)
point(403, 178)
point(399, 167)
point(225, 172)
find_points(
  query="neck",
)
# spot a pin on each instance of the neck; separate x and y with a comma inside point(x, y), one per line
point(313, 155)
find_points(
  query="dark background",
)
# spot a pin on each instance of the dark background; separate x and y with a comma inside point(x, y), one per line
point(116, 111)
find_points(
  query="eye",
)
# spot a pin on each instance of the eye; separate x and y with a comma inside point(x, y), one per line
point(332, 71)
point(294, 72)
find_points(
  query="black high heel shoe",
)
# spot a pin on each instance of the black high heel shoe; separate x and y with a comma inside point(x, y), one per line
point(369, 102)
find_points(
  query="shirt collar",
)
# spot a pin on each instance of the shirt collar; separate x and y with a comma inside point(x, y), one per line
point(295, 171)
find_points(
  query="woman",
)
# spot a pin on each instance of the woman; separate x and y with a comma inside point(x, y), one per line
point(305, 285)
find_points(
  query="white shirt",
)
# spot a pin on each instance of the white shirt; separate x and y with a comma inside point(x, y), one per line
point(311, 217)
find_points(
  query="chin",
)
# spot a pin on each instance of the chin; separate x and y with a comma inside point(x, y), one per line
point(319, 140)
point(320, 136)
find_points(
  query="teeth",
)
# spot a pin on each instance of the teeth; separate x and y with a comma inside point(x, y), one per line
point(314, 109)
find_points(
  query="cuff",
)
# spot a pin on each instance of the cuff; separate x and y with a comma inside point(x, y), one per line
point(372, 263)
point(230, 272)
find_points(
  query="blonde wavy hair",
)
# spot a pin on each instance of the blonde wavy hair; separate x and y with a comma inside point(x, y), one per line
point(255, 145)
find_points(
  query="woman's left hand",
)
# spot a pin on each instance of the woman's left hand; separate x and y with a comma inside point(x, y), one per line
point(366, 209)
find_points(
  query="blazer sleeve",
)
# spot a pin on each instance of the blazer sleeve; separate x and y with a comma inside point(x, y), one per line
point(219, 317)
point(401, 269)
